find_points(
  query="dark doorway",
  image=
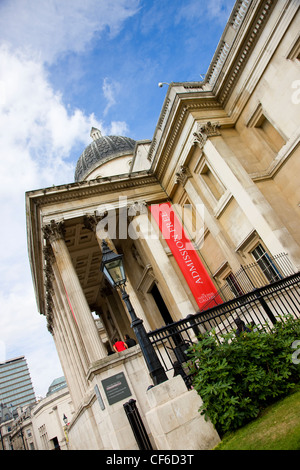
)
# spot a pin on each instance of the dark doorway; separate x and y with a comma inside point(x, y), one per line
point(161, 305)
point(55, 443)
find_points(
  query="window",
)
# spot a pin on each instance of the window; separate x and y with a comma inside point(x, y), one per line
point(211, 181)
point(266, 130)
point(294, 53)
point(192, 219)
point(234, 285)
point(44, 437)
point(270, 134)
point(265, 263)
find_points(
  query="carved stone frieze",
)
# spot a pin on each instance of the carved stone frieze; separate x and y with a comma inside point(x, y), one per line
point(48, 283)
point(48, 255)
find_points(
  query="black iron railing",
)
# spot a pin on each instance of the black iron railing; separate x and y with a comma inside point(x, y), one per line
point(257, 274)
point(260, 308)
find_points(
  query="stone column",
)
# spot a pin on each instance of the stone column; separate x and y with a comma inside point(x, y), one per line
point(74, 293)
point(184, 177)
point(250, 199)
point(65, 332)
point(90, 222)
point(71, 355)
point(178, 299)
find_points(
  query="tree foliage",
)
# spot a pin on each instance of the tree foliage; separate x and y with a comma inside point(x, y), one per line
point(240, 375)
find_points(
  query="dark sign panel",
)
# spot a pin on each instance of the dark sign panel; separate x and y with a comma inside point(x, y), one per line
point(116, 388)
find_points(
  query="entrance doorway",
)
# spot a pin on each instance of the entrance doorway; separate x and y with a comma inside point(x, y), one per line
point(161, 305)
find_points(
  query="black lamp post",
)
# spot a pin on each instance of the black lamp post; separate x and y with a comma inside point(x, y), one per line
point(113, 269)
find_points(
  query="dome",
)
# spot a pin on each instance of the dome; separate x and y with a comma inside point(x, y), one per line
point(101, 150)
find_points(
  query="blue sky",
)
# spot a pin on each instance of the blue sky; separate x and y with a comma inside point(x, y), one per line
point(65, 66)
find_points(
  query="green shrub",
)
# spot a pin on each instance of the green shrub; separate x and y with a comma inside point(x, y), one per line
point(244, 374)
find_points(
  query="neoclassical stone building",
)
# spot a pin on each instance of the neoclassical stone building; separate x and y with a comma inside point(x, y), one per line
point(224, 158)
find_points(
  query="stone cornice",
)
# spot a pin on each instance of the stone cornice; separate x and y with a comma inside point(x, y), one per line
point(234, 55)
point(85, 189)
point(235, 47)
point(185, 109)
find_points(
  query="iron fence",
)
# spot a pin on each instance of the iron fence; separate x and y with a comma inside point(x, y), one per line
point(260, 308)
point(267, 270)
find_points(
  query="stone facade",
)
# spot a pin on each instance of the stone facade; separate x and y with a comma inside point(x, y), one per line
point(226, 150)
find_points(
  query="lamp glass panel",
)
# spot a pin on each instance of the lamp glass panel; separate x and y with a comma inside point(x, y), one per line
point(115, 271)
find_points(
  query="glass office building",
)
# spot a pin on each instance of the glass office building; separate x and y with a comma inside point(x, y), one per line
point(15, 384)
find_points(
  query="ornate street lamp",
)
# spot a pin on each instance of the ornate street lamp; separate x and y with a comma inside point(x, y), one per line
point(113, 269)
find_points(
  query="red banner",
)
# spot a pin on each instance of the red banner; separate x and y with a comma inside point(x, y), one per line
point(185, 254)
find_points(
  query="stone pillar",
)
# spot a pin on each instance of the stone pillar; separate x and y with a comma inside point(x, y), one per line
point(74, 293)
point(174, 419)
point(184, 177)
point(90, 222)
point(256, 208)
point(181, 306)
point(64, 330)
point(71, 356)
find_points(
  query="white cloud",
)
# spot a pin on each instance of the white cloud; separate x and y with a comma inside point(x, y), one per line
point(23, 332)
point(118, 128)
point(49, 28)
point(38, 133)
point(110, 90)
point(218, 10)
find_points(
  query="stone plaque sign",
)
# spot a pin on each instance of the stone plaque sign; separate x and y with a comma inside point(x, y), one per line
point(98, 395)
point(116, 388)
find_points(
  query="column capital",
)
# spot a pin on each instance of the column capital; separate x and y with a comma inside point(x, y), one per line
point(90, 221)
point(54, 230)
point(205, 130)
point(137, 207)
point(182, 175)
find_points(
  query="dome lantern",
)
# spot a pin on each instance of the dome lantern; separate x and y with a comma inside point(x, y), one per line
point(95, 133)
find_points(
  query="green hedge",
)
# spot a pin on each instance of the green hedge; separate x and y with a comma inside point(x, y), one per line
point(244, 374)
